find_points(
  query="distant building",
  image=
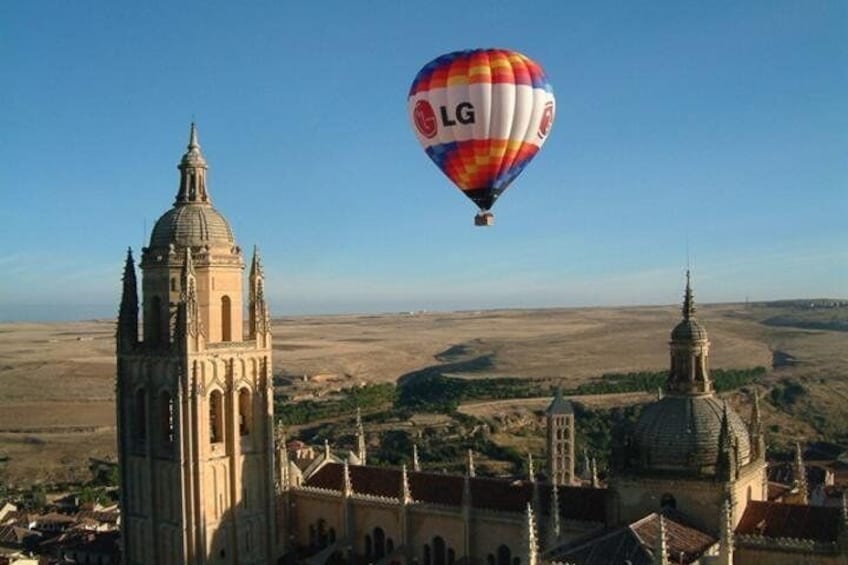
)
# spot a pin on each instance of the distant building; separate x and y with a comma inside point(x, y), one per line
point(559, 418)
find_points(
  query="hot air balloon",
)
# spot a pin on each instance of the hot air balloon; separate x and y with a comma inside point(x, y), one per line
point(482, 115)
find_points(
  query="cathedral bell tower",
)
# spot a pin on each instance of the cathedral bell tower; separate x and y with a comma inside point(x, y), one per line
point(194, 395)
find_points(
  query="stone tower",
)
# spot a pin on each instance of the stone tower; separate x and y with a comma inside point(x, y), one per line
point(689, 449)
point(560, 440)
point(194, 394)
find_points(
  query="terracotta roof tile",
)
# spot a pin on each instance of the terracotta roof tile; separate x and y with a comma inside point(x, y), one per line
point(798, 521)
point(437, 488)
point(577, 503)
point(386, 482)
point(328, 477)
point(634, 543)
point(684, 540)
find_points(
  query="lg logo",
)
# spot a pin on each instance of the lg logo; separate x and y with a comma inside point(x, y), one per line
point(427, 123)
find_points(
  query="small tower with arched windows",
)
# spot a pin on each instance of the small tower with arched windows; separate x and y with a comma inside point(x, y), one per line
point(560, 440)
point(194, 392)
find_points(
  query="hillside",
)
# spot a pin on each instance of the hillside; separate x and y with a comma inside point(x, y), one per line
point(56, 398)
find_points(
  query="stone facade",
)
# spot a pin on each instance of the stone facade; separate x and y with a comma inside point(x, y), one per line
point(194, 395)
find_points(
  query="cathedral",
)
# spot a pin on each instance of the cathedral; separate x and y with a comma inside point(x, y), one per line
point(207, 477)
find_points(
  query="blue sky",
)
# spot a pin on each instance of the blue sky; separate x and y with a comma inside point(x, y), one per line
point(721, 128)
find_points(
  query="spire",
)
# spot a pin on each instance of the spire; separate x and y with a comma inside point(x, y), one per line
point(416, 466)
point(845, 507)
point(348, 484)
point(531, 470)
point(554, 525)
point(127, 335)
point(193, 144)
point(724, 431)
point(192, 174)
point(726, 463)
point(799, 473)
point(188, 313)
point(757, 438)
point(688, 299)
point(755, 412)
point(530, 537)
point(405, 492)
point(327, 450)
point(188, 266)
point(595, 482)
point(661, 547)
point(726, 535)
point(280, 435)
point(470, 464)
point(466, 492)
point(282, 454)
point(361, 453)
point(260, 319)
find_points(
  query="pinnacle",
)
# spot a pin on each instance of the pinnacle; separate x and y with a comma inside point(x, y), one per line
point(688, 299)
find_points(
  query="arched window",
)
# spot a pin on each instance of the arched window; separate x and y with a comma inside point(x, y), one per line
point(166, 418)
point(516, 561)
point(140, 415)
point(322, 533)
point(332, 535)
point(439, 553)
point(226, 319)
point(245, 411)
point(313, 537)
point(216, 417)
point(369, 548)
point(428, 556)
point(390, 546)
point(749, 494)
point(504, 555)
point(490, 559)
point(451, 556)
point(153, 330)
point(668, 501)
point(379, 543)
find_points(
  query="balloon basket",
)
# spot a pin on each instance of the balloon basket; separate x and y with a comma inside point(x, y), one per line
point(484, 219)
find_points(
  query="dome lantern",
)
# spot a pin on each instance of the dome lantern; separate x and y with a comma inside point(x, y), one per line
point(192, 221)
point(680, 432)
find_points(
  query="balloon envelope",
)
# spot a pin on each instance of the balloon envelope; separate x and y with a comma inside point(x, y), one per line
point(481, 115)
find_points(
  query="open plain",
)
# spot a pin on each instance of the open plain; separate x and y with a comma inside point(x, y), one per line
point(57, 380)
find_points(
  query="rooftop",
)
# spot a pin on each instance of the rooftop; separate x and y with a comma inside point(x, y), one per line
point(635, 543)
point(576, 503)
point(795, 521)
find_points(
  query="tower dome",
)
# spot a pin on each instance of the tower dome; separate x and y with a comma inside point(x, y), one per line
point(193, 221)
point(689, 429)
point(191, 225)
point(683, 433)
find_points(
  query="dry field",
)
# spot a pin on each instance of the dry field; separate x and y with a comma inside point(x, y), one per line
point(57, 380)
